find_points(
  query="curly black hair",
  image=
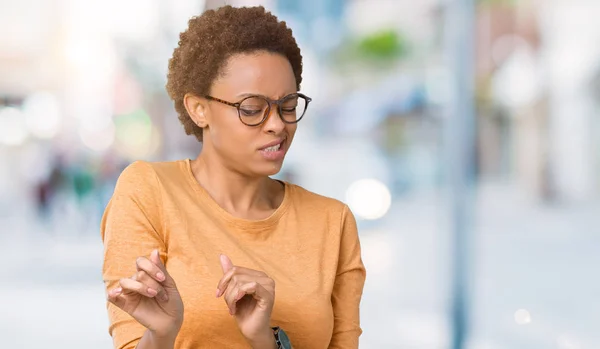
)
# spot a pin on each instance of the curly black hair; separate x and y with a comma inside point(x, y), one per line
point(211, 39)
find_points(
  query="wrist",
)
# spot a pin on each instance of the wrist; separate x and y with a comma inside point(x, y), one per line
point(167, 337)
point(153, 339)
point(264, 340)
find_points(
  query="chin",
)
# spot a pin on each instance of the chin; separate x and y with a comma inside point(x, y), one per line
point(273, 171)
point(268, 170)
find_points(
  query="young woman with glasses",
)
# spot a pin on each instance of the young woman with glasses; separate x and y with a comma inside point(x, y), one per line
point(212, 252)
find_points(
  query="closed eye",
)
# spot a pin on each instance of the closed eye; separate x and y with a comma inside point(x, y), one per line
point(250, 112)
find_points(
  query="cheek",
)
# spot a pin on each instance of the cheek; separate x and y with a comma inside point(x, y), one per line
point(291, 130)
point(231, 136)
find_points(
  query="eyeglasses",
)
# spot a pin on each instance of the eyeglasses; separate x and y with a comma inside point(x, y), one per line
point(254, 110)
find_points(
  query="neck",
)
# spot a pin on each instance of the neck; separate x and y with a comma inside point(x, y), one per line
point(240, 195)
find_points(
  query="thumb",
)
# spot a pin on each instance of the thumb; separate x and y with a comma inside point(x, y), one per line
point(226, 263)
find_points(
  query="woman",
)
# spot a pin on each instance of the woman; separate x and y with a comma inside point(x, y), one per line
point(211, 252)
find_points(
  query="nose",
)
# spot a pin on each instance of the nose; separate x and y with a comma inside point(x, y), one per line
point(274, 124)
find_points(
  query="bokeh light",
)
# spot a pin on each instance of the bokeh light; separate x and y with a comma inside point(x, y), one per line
point(134, 133)
point(13, 130)
point(369, 198)
point(98, 140)
point(42, 115)
point(522, 317)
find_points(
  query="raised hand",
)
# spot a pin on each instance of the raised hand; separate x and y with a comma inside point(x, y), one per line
point(249, 295)
point(151, 297)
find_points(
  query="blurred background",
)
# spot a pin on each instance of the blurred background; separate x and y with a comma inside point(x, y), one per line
point(464, 135)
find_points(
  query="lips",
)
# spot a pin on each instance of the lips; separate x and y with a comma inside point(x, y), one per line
point(274, 151)
point(273, 146)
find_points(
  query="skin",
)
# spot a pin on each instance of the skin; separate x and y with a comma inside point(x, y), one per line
point(234, 172)
point(230, 167)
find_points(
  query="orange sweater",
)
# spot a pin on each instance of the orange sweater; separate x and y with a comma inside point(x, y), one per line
point(309, 246)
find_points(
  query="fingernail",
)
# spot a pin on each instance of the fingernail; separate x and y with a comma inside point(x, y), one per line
point(218, 293)
point(152, 292)
point(117, 291)
point(160, 276)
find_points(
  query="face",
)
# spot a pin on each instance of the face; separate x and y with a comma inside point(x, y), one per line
point(250, 150)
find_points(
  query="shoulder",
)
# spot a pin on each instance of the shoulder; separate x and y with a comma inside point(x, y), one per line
point(138, 174)
point(137, 170)
point(145, 175)
point(312, 201)
point(143, 169)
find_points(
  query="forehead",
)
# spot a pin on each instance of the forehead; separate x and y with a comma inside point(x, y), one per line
point(265, 73)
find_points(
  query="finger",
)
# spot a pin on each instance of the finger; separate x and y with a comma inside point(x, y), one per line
point(232, 293)
point(147, 280)
point(236, 278)
point(237, 272)
point(257, 291)
point(226, 263)
point(253, 289)
point(231, 298)
point(116, 298)
point(144, 264)
point(155, 258)
point(133, 286)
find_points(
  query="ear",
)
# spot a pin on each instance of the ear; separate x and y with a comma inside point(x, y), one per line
point(196, 108)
